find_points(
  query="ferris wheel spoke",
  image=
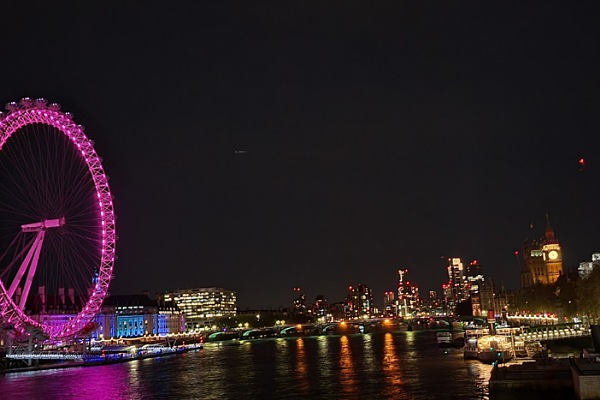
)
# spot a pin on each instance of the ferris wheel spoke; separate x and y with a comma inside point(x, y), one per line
point(32, 268)
point(24, 266)
point(15, 259)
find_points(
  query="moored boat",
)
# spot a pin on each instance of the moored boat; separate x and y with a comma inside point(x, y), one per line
point(471, 350)
point(494, 348)
point(158, 349)
point(534, 349)
point(136, 353)
point(444, 338)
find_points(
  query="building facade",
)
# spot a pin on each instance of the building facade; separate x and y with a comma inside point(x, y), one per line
point(359, 302)
point(457, 281)
point(585, 268)
point(475, 283)
point(541, 260)
point(390, 305)
point(130, 316)
point(126, 316)
point(408, 295)
point(201, 306)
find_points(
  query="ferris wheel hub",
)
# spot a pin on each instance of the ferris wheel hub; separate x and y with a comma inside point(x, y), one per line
point(43, 225)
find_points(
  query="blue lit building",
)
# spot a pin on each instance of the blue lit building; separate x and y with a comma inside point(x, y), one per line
point(137, 315)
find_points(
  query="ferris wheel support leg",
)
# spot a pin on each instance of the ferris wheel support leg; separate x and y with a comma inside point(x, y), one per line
point(17, 280)
point(32, 268)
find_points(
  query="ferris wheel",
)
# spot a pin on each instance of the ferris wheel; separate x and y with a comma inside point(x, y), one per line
point(57, 223)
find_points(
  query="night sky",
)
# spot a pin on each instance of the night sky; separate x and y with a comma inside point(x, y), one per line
point(258, 146)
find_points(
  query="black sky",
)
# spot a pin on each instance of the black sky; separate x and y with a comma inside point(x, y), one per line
point(260, 146)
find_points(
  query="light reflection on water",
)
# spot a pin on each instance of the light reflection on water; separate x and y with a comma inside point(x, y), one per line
point(346, 374)
point(302, 383)
point(400, 365)
point(392, 371)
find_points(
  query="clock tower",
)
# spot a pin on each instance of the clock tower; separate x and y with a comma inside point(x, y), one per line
point(552, 254)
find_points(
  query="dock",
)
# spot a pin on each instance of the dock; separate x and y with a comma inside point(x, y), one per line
point(543, 378)
point(548, 378)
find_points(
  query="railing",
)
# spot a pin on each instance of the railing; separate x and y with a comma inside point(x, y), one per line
point(557, 333)
point(45, 356)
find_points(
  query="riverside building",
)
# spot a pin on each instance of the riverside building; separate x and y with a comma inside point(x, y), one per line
point(585, 268)
point(475, 281)
point(457, 282)
point(541, 260)
point(132, 316)
point(123, 316)
point(201, 306)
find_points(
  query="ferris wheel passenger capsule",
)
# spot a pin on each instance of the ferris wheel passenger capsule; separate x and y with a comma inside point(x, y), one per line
point(26, 102)
point(41, 102)
point(69, 115)
point(54, 107)
point(12, 106)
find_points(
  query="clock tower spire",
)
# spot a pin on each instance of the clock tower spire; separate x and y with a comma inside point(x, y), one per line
point(552, 254)
point(550, 238)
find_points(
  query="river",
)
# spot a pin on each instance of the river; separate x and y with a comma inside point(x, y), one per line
point(399, 365)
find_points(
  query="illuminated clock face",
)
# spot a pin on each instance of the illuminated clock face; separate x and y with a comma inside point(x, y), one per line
point(553, 255)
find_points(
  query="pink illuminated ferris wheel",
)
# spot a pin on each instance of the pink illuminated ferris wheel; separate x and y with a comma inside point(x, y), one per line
point(57, 224)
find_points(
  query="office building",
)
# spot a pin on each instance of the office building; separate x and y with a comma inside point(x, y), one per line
point(201, 306)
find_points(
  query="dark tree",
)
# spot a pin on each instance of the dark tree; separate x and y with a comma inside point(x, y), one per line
point(464, 308)
point(588, 295)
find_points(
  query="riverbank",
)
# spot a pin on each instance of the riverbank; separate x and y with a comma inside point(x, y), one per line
point(43, 367)
point(105, 358)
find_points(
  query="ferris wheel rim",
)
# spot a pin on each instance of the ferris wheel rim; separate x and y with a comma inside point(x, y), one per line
point(28, 112)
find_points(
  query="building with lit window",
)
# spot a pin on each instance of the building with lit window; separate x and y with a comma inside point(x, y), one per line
point(52, 309)
point(321, 309)
point(201, 306)
point(495, 297)
point(408, 295)
point(131, 316)
point(475, 282)
point(457, 281)
point(585, 268)
point(299, 308)
point(124, 316)
point(389, 304)
point(359, 302)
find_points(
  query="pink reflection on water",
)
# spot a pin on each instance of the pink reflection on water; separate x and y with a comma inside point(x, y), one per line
point(110, 382)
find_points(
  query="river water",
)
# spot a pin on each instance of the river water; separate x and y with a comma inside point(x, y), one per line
point(399, 365)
